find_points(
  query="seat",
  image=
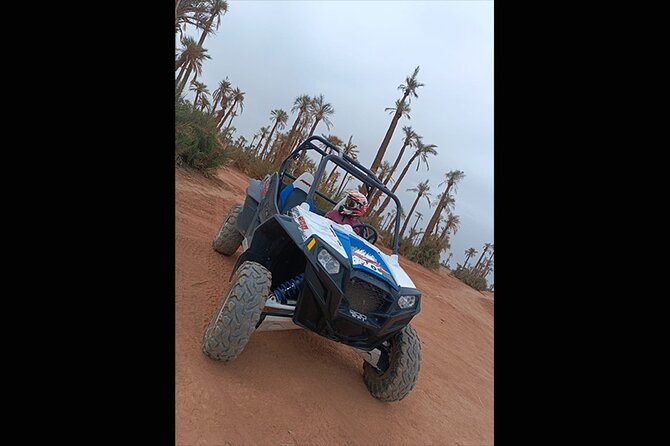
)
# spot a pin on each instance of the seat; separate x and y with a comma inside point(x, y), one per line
point(295, 193)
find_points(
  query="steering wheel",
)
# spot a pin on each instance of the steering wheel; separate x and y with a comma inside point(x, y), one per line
point(371, 234)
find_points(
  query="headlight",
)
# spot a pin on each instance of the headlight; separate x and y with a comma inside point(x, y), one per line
point(329, 263)
point(406, 301)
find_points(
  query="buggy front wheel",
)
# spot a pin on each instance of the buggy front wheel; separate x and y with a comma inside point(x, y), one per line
point(397, 368)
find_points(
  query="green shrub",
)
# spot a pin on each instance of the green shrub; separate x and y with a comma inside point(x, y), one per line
point(247, 162)
point(467, 276)
point(427, 253)
point(196, 138)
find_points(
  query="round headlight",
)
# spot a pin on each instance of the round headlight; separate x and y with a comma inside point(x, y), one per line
point(329, 263)
point(406, 301)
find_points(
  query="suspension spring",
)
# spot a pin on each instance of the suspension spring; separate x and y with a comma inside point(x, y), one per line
point(289, 289)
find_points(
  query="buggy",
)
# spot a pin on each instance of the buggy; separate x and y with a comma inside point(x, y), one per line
point(302, 270)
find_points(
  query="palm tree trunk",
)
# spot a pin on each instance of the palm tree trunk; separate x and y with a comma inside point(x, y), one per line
point(444, 232)
point(230, 110)
point(480, 258)
point(231, 121)
point(332, 172)
point(195, 101)
point(402, 231)
point(487, 261)
point(466, 261)
point(385, 180)
point(186, 76)
point(415, 223)
point(181, 73)
point(397, 183)
point(339, 190)
point(289, 137)
point(206, 30)
point(176, 8)
point(391, 224)
point(436, 215)
point(389, 133)
point(253, 140)
point(260, 141)
point(311, 131)
point(267, 141)
point(396, 163)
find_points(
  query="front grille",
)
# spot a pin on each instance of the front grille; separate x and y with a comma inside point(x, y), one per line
point(365, 297)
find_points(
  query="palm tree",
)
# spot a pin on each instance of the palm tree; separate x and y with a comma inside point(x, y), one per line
point(409, 89)
point(481, 262)
point(216, 9)
point(220, 97)
point(422, 151)
point(203, 104)
point(384, 170)
point(437, 226)
point(301, 105)
point(453, 222)
point(469, 253)
point(452, 179)
point(410, 138)
point(422, 191)
point(263, 132)
point(199, 88)
point(486, 248)
point(191, 59)
point(351, 150)
point(486, 266)
point(419, 216)
point(237, 97)
point(391, 224)
point(321, 111)
point(280, 117)
point(253, 140)
point(347, 149)
point(447, 204)
point(188, 12)
point(334, 140)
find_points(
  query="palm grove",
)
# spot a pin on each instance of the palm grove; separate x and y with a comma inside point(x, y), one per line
point(204, 140)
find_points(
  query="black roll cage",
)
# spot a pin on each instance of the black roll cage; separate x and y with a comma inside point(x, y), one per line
point(353, 167)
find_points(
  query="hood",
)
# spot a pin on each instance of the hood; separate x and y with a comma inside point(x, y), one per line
point(361, 254)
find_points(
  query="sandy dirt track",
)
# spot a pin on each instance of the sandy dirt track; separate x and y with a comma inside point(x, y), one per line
point(297, 388)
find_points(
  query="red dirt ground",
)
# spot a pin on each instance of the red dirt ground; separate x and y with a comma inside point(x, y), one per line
point(297, 388)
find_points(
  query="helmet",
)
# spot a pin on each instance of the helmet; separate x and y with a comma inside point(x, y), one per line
point(354, 204)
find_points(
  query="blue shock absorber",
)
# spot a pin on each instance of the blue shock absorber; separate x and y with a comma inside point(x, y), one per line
point(289, 289)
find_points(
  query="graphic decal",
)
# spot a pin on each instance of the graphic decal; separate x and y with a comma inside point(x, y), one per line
point(365, 258)
point(302, 223)
point(344, 241)
point(357, 315)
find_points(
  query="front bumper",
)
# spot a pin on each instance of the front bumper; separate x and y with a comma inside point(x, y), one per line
point(323, 307)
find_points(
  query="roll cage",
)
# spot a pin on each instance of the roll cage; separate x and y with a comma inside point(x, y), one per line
point(350, 165)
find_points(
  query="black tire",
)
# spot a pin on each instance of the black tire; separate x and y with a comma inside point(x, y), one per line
point(239, 312)
point(228, 239)
point(401, 367)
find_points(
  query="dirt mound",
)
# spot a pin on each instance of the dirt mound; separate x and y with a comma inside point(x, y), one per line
point(294, 387)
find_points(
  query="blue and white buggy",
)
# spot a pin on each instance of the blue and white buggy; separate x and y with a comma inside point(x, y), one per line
point(302, 270)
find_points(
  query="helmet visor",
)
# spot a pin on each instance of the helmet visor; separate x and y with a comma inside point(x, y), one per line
point(351, 203)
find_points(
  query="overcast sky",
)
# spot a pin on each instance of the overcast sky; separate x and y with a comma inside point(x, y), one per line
point(356, 53)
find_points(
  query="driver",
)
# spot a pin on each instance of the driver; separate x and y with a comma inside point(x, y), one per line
point(353, 205)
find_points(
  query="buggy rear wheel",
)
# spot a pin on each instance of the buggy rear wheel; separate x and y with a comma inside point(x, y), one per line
point(228, 239)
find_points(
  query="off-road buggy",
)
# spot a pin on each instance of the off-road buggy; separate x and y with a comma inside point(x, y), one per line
point(302, 270)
